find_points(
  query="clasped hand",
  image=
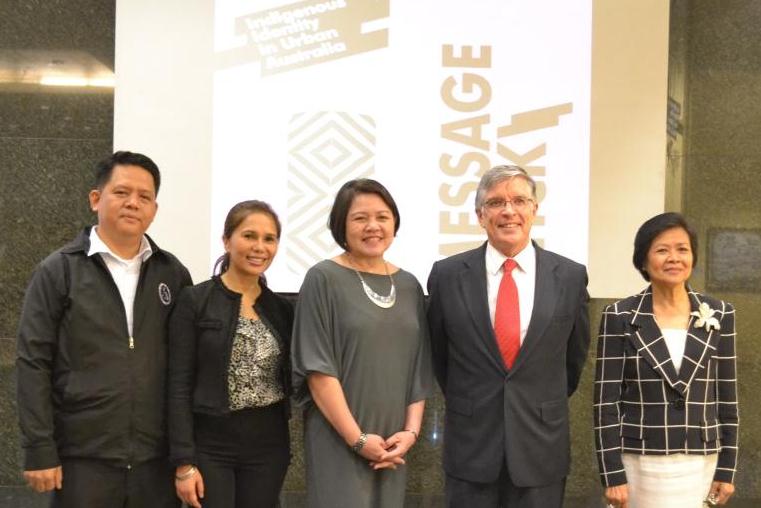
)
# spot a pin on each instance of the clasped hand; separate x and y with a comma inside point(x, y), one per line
point(387, 453)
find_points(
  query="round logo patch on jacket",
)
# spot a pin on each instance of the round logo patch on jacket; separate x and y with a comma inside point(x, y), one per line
point(164, 294)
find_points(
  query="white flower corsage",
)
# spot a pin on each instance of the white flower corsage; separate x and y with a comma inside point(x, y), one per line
point(704, 316)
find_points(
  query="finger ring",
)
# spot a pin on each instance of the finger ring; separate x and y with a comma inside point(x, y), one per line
point(610, 506)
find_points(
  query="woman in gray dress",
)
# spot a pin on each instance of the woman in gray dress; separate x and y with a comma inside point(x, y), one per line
point(360, 357)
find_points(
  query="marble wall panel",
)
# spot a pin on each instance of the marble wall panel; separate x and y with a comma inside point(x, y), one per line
point(59, 115)
point(22, 497)
point(49, 143)
point(43, 204)
point(9, 449)
point(722, 183)
point(723, 190)
point(724, 60)
point(86, 25)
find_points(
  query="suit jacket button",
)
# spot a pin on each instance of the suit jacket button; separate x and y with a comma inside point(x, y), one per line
point(678, 404)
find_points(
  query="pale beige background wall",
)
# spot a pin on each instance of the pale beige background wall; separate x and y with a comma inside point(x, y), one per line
point(628, 135)
point(162, 107)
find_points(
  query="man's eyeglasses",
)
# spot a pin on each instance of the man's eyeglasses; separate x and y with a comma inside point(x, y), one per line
point(519, 204)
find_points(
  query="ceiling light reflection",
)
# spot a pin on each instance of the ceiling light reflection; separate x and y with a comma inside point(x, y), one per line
point(58, 80)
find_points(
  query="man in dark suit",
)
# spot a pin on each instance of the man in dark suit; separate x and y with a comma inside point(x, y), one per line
point(509, 333)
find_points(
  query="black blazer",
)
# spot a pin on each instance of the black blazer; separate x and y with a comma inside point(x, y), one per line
point(641, 404)
point(201, 331)
point(494, 414)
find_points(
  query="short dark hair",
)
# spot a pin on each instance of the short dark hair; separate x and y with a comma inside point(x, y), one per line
point(653, 227)
point(344, 199)
point(235, 216)
point(105, 168)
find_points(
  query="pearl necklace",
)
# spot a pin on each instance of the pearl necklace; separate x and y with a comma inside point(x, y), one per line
point(384, 302)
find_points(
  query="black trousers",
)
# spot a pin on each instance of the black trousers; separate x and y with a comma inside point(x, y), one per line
point(502, 493)
point(243, 457)
point(96, 483)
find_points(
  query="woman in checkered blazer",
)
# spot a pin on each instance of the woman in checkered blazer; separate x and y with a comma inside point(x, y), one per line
point(665, 397)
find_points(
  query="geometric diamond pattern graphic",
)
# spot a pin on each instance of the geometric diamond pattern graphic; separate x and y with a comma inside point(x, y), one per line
point(325, 149)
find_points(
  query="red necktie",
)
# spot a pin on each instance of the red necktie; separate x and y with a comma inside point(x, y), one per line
point(507, 317)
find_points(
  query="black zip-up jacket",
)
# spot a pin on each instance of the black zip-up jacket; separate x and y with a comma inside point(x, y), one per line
point(201, 332)
point(86, 389)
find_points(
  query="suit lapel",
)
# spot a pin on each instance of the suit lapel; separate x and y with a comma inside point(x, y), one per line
point(697, 345)
point(546, 294)
point(472, 280)
point(650, 343)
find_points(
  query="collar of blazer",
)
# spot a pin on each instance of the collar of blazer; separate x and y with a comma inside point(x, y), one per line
point(652, 347)
point(472, 280)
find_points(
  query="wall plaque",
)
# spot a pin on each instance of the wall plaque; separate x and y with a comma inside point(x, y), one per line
point(734, 260)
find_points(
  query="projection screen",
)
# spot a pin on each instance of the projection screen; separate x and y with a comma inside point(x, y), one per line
point(421, 95)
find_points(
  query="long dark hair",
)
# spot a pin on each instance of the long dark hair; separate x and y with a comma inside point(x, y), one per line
point(235, 216)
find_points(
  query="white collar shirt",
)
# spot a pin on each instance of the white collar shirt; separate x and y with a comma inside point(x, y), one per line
point(525, 280)
point(125, 272)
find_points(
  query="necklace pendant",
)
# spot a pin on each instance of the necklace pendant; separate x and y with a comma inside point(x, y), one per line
point(384, 302)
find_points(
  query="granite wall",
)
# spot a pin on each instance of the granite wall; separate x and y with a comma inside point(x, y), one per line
point(49, 143)
point(722, 184)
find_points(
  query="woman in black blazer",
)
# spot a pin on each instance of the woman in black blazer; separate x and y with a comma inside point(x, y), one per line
point(229, 373)
point(665, 399)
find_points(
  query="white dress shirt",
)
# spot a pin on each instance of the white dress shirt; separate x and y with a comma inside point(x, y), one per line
point(676, 340)
point(524, 276)
point(125, 272)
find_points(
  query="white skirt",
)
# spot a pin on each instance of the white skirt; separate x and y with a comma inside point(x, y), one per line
point(669, 481)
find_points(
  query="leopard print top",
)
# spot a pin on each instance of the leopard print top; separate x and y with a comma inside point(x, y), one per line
point(253, 379)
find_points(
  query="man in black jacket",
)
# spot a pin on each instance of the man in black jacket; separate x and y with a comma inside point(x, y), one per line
point(92, 352)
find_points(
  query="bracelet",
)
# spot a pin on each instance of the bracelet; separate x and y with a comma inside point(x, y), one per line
point(187, 474)
point(413, 433)
point(356, 447)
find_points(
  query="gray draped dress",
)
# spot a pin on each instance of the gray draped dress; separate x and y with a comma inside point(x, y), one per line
point(382, 359)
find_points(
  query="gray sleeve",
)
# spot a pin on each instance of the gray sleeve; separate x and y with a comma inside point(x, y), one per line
point(313, 346)
point(421, 383)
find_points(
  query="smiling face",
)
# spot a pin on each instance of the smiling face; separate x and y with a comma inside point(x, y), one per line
point(508, 228)
point(252, 245)
point(669, 258)
point(126, 205)
point(369, 226)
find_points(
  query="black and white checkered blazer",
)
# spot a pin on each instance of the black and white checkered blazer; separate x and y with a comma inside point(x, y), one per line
point(643, 406)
